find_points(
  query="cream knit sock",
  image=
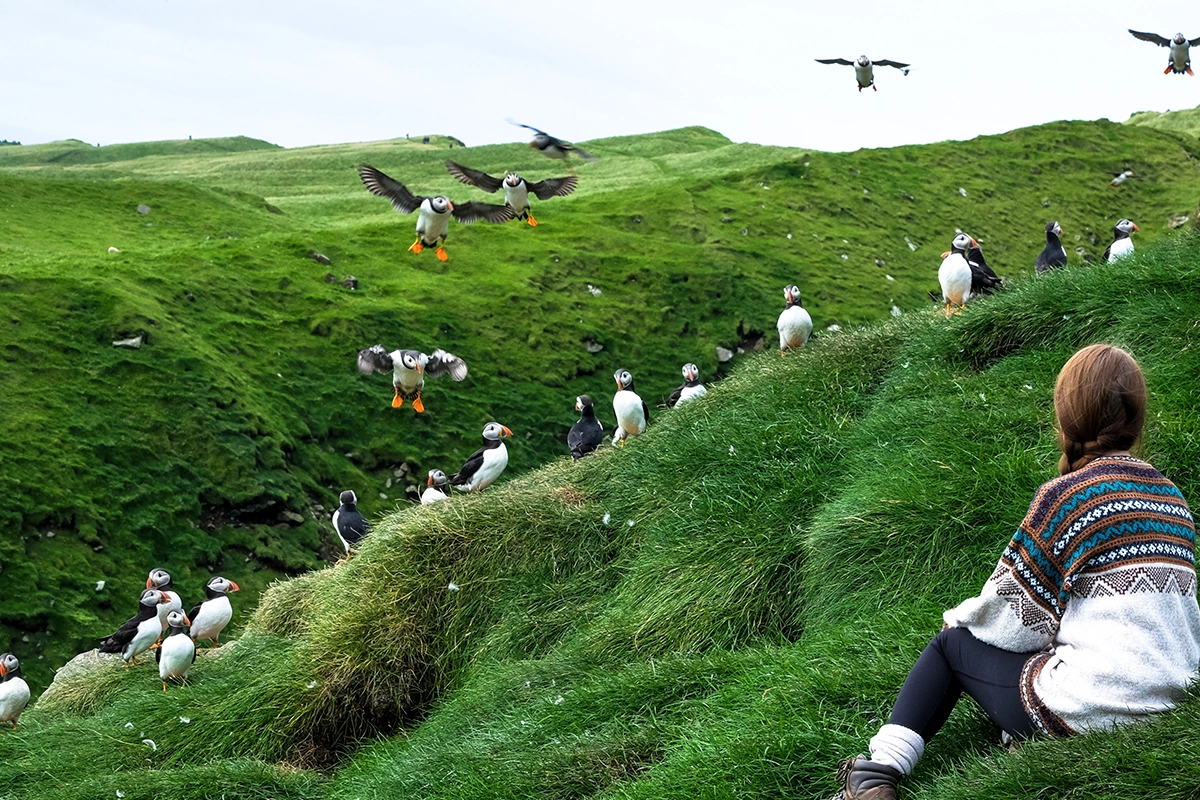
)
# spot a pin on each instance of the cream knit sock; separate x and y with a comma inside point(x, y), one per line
point(898, 747)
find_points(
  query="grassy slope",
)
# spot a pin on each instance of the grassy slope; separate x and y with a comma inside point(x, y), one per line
point(244, 406)
point(1185, 121)
point(794, 536)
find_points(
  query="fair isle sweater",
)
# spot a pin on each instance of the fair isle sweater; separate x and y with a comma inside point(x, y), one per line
point(1099, 581)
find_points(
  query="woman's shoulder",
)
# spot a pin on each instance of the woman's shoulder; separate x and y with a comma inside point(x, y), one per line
point(1105, 476)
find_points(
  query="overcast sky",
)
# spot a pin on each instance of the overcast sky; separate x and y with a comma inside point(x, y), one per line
point(299, 72)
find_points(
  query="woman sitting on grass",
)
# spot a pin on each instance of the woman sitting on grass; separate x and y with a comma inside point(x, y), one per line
point(1090, 618)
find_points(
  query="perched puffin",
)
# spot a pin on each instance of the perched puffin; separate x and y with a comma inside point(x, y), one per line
point(433, 218)
point(516, 189)
point(1121, 245)
point(955, 273)
point(209, 618)
point(631, 411)
point(692, 387)
point(864, 69)
point(409, 369)
point(1180, 60)
point(435, 487)
point(161, 579)
point(794, 325)
point(14, 691)
point(1054, 255)
point(139, 631)
point(983, 279)
point(177, 652)
point(586, 434)
point(486, 463)
point(553, 147)
point(350, 525)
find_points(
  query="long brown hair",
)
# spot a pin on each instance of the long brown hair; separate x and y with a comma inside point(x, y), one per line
point(1100, 402)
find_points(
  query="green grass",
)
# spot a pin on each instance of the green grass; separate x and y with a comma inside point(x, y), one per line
point(1185, 121)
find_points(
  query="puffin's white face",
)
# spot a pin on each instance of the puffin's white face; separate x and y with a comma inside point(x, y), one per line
point(8, 663)
point(494, 431)
point(623, 379)
point(1056, 229)
point(690, 372)
point(222, 585)
point(962, 242)
point(512, 179)
point(177, 619)
point(440, 204)
point(1179, 38)
point(158, 578)
point(411, 361)
point(436, 478)
point(152, 597)
point(863, 61)
point(540, 140)
point(792, 294)
point(1125, 226)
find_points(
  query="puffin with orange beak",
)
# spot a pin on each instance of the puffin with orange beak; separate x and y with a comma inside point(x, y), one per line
point(553, 147)
point(209, 618)
point(139, 632)
point(1121, 245)
point(795, 324)
point(955, 273)
point(691, 388)
point(160, 579)
point(586, 434)
point(1053, 255)
point(433, 218)
point(409, 369)
point(435, 487)
point(485, 464)
point(632, 414)
point(177, 653)
point(14, 691)
point(516, 189)
point(864, 69)
point(1180, 60)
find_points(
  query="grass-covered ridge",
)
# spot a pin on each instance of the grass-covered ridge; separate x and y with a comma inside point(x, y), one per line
point(794, 536)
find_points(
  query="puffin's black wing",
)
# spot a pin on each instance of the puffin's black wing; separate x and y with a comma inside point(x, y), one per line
point(835, 61)
point(983, 279)
point(192, 614)
point(886, 63)
point(553, 187)
point(115, 642)
point(443, 363)
point(1108, 252)
point(467, 213)
point(552, 139)
point(374, 359)
point(584, 437)
point(645, 412)
point(1151, 37)
point(158, 654)
point(1194, 42)
point(473, 177)
point(352, 526)
point(472, 465)
point(1048, 260)
point(675, 395)
point(379, 184)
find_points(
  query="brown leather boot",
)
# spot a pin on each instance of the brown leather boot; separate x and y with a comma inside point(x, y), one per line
point(865, 780)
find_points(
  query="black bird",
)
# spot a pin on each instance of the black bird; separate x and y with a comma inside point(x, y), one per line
point(350, 525)
point(138, 632)
point(553, 147)
point(586, 434)
point(983, 279)
point(1180, 60)
point(1054, 255)
point(516, 189)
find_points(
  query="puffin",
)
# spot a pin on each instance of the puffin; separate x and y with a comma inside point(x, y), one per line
point(435, 487)
point(955, 273)
point(1179, 61)
point(794, 325)
point(139, 632)
point(409, 369)
point(586, 434)
point(486, 463)
point(14, 691)
point(553, 147)
point(209, 618)
point(983, 279)
point(1121, 245)
point(177, 652)
point(349, 524)
point(1054, 255)
point(161, 579)
point(516, 189)
point(433, 217)
point(1121, 177)
point(864, 69)
point(692, 387)
point(631, 411)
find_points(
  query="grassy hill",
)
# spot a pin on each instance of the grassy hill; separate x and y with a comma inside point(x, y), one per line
point(1185, 121)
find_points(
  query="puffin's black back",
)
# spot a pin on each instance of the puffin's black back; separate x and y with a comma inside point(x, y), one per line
point(586, 434)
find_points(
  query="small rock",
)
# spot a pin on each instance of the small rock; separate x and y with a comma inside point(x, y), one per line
point(320, 258)
point(853, 171)
point(726, 219)
point(745, 231)
point(1035, 171)
point(291, 516)
point(865, 191)
point(143, 209)
point(49, 534)
point(387, 484)
point(131, 344)
point(350, 282)
point(889, 277)
point(453, 587)
point(382, 496)
point(724, 355)
point(789, 236)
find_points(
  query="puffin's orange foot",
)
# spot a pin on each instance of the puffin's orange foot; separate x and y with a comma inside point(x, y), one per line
point(417, 247)
point(441, 254)
point(1167, 71)
point(164, 686)
point(1189, 72)
point(532, 221)
point(418, 406)
point(947, 310)
point(397, 400)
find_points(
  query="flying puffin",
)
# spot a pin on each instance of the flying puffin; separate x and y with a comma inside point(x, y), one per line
point(955, 273)
point(691, 388)
point(435, 487)
point(177, 652)
point(516, 189)
point(1121, 177)
point(209, 618)
point(161, 579)
point(586, 434)
point(139, 631)
point(1180, 61)
point(1121, 245)
point(409, 369)
point(1054, 255)
point(486, 463)
point(983, 279)
point(350, 525)
point(631, 411)
point(864, 69)
point(433, 217)
point(14, 691)
point(794, 325)
point(553, 147)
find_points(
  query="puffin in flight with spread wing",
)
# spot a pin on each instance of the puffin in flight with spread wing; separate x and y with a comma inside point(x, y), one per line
point(433, 217)
point(1180, 60)
point(409, 369)
point(486, 463)
point(864, 69)
point(516, 189)
point(553, 147)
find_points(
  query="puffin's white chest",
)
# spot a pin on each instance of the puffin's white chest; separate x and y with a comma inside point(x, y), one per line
point(148, 631)
point(175, 656)
point(409, 380)
point(431, 225)
point(494, 462)
point(631, 416)
point(865, 75)
point(955, 277)
point(212, 618)
point(14, 696)
point(1119, 249)
point(517, 197)
point(432, 494)
point(691, 393)
point(1180, 54)
point(794, 326)
point(175, 604)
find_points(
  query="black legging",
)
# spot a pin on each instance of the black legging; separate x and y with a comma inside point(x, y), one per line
point(956, 662)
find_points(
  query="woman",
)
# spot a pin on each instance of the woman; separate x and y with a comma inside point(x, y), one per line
point(1090, 619)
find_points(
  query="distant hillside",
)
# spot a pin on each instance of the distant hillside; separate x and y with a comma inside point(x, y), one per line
point(1185, 121)
point(73, 151)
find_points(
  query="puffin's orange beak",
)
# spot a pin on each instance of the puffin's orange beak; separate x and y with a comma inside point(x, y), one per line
point(533, 144)
point(577, 406)
point(945, 254)
point(1135, 227)
point(429, 481)
point(149, 584)
point(507, 432)
point(3, 671)
point(163, 599)
point(233, 587)
point(618, 386)
point(974, 243)
point(420, 368)
point(188, 621)
point(450, 204)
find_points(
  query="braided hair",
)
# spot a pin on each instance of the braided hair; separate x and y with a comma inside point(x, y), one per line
point(1100, 403)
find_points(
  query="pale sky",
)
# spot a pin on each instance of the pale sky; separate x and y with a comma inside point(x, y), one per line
point(300, 73)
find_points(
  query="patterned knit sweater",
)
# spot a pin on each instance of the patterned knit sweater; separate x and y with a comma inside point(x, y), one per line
point(1100, 580)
